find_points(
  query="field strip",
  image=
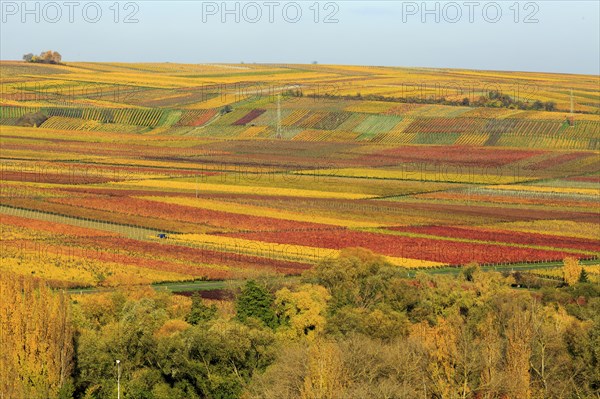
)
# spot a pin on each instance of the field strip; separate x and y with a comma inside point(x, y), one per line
point(553, 227)
point(208, 123)
point(201, 285)
point(137, 233)
point(416, 175)
point(513, 267)
point(210, 243)
point(199, 167)
point(289, 252)
point(252, 210)
point(520, 193)
point(251, 190)
point(560, 190)
point(474, 201)
point(297, 253)
point(294, 253)
point(473, 241)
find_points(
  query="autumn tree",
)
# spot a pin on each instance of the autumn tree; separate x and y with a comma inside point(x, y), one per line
point(571, 271)
point(46, 57)
point(325, 374)
point(285, 378)
point(490, 349)
point(36, 339)
point(301, 311)
point(359, 283)
point(50, 57)
point(518, 332)
point(164, 357)
point(452, 364)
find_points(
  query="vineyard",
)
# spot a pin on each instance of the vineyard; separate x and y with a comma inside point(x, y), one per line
point(325, 126)
point(148, 173)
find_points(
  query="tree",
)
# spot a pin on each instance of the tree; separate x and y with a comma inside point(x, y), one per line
point(200, 312)
point(255, 302)
point(221, 359)
point(51, 57)
point(571, 270)
point(538, 105)
point(450, 356)
point(325, 374)
point(360, 283)
point(36, 339)
point(490, 355)
point(301, 312)
point(469, 270)
point(46, 57)
point(226, 109)
point(583, 276)
point(284, 379)
point(519, 334)
point(354, 278)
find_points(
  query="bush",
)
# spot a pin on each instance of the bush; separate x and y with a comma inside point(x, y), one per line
point(32, 119)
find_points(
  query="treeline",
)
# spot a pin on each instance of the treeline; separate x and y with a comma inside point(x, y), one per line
point(46, 57)
point(353, 327)
point(493, 99)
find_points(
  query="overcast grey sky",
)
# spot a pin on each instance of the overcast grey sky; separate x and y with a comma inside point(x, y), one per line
point(553, 36)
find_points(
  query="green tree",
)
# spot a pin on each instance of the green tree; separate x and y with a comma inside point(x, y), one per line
point(357, 278)
point(361, 284)
point(583, 276)
point(256, 302)
point(200, 312)
point(538, 105)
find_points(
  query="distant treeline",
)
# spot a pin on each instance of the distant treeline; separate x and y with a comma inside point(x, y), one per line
point(494, 99)
point(46, 57)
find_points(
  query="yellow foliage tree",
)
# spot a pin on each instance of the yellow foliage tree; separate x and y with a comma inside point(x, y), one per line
point(519, 332)
point(571, 270)
point(171, 327)
point(302, 311)
point(325, 374)
point(36, 338)
point(440, 345)
point(490, 347)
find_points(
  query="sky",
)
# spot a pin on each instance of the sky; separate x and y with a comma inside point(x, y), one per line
point(546, 36)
